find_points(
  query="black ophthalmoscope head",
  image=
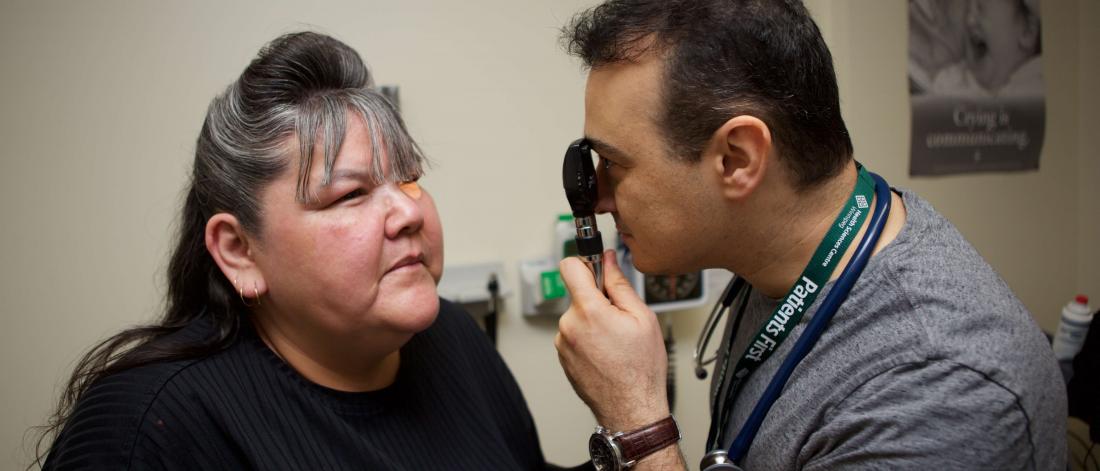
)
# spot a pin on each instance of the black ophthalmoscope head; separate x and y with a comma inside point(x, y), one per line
point(579, 179)
point(578, 176)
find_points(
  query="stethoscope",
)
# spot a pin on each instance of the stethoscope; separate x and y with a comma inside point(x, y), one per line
point(718, 459)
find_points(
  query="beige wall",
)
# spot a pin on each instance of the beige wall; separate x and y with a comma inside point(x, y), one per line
point(102, 101)
point(1088, 150)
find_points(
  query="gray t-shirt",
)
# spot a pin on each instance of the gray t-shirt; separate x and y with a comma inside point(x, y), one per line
point(931, 363)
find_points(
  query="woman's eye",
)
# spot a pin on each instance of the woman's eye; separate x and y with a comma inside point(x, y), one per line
point(351, 195)
point(607, 164)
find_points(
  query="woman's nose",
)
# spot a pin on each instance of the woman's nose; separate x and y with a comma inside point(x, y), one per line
point(404, 213)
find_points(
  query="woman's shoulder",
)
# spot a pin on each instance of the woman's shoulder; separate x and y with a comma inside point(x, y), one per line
point(110, 417)
point(107, 420)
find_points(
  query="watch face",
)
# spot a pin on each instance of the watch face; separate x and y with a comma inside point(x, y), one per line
point(603, 457)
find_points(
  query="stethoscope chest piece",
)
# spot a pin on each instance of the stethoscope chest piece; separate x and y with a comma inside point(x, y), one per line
point(718, 460)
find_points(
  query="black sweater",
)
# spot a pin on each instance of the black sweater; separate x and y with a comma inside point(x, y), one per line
point(454, 405)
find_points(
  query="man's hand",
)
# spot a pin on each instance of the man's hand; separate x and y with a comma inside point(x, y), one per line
point(611, 348)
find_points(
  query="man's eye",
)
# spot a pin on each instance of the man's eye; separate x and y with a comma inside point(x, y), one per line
point(607, 164)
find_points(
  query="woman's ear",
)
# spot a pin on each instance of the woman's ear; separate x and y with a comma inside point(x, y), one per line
point(740, 152)
point(230, 246)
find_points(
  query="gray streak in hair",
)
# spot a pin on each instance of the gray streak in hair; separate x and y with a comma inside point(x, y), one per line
point(301, 86)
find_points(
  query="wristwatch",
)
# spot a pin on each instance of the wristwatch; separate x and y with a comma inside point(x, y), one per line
point(615, 451)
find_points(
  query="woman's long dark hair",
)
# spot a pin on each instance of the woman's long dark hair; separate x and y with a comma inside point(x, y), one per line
point(295, 95)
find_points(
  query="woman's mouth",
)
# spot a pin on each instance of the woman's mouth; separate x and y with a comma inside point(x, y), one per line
point(408, 261)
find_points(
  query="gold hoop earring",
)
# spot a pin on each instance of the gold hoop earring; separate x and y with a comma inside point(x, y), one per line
point(256, 291)
point(240, 292)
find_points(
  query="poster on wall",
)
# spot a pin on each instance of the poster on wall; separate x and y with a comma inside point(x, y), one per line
point(975, 86)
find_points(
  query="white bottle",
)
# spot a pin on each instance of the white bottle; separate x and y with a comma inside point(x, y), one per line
point(1072, 328)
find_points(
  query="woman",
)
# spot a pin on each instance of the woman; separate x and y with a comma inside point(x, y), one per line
point(303, 329)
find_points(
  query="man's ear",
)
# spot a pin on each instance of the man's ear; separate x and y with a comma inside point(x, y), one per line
point(230, 246)
point(740, 152)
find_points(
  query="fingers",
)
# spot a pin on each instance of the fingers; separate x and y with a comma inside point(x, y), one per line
point(618, 287)
point(580, 282)
point(582, 285)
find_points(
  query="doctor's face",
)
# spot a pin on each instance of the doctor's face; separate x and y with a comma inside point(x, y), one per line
point(655, 199)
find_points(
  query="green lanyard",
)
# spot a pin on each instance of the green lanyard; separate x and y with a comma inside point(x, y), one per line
point(799, 299)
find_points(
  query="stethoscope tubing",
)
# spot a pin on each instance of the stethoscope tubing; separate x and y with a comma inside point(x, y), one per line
point(732, 290)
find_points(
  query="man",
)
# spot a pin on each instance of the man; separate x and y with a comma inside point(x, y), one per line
point(721, 144)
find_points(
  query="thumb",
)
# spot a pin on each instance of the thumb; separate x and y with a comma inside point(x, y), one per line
point(618, 287)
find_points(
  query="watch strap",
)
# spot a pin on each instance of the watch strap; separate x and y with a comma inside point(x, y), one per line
point(649, 439)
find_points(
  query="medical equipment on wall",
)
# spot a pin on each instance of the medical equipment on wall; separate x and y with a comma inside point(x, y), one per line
point(492, 311)
point(478, 288)
point(663, 293)
point(565, 238)
point(798, 300)
point(541, 287)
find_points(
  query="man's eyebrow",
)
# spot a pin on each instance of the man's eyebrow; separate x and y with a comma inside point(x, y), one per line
point(604, 148)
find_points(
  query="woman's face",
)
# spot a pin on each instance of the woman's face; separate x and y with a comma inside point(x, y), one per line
point(356, 260)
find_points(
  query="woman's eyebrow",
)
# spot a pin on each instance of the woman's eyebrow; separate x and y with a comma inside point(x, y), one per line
point(352, 174)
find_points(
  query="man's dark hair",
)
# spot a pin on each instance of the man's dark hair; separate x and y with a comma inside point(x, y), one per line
point(725, 58)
